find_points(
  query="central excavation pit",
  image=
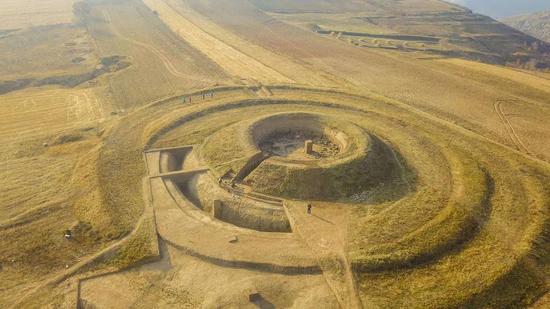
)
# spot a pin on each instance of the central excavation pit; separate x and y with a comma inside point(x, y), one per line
point(298, 136)
point(292, 144)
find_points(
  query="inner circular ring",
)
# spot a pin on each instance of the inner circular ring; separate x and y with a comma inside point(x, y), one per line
point(298, 137)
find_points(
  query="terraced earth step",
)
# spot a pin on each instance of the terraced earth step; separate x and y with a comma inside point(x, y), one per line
point(264, 199)
point(261, 200)
point(186, 147)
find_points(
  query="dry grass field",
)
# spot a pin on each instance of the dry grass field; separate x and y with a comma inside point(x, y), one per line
point(36, 113)
point(45, 132)
point(233, 61)
point(162, 65)
point(17, 14)
point(129, 122)
point(65, 50)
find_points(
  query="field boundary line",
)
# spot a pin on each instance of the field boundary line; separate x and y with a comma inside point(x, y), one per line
point(233, 61)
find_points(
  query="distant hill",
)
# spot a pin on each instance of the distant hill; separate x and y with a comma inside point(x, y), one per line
point(537, 24)
point(433, 26)
point(504, 8)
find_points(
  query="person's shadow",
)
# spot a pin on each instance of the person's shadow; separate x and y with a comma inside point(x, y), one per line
point(322, 219)
point(261, 302)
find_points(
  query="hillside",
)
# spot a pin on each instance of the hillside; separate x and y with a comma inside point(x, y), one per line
point(536, 24)
point(504, 8)
point(434, 27)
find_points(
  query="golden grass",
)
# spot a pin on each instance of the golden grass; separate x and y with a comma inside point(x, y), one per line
point(141, 248)
point(240, 58)
point(63, 50)
point(38, 112)
point(15, 14)
point(232, 60)
point(45, 132)
point(36, 199)
point(162, 64)
point(523, 77)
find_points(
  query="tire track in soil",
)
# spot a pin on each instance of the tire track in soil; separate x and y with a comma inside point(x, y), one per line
point(510, 131)
point(162, 57)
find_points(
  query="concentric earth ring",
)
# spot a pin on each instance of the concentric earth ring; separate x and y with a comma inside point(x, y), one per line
point(428, 199)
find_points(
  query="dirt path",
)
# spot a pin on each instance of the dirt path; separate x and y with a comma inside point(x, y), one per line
point(323, 231)
point(512, 134)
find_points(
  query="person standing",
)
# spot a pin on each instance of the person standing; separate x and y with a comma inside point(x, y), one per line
point(309, 208)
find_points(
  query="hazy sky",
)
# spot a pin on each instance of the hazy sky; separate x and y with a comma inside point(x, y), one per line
point(503, 8)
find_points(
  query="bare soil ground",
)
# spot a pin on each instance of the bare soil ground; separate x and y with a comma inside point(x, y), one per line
point(179, 280)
